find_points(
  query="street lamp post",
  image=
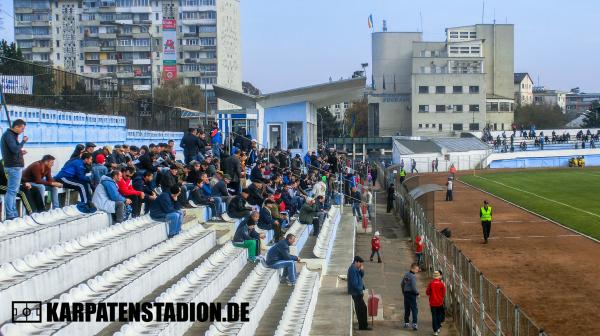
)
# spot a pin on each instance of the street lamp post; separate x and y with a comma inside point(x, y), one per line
point(322, 135)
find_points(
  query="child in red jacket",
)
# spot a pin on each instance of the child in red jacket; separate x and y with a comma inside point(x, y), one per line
point(419, 249)
point(436, 290)
point(375, 246)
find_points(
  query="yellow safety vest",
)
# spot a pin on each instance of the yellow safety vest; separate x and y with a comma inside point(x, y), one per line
point(402, 172)
point(486, 215)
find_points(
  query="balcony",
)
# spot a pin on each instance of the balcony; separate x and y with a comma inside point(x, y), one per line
point(108, 48)
point(125, 74)
point(108, 62)
point(141, 87)
point(197, 48)
point(90, 48)
point(92, 62)
point(145, 61)
point(106, 36)
point(40, 49)
point(124, 61)
point(40, 37)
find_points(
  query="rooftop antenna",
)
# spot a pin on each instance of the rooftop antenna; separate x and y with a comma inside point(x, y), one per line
point(384, 25)
point(482, 11)
point(421, 20)
point(494, 15)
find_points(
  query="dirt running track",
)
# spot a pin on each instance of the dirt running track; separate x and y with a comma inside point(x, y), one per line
point(551, 272)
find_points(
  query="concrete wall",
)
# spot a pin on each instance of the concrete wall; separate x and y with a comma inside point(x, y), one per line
point(392, 57)
point(229, 50)
point(499, 51)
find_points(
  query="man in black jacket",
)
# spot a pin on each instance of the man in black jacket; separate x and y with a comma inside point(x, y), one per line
point(191, 145)
point(168, 179)
point(256, 193)
point(233, 168)
point(237, 207)
point(146, 185)
point(257, 172)
point(12, 154)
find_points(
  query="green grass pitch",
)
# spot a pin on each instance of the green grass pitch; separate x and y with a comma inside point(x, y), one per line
point(568, 196)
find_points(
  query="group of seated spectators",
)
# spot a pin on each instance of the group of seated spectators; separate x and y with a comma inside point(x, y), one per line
point(262, 188)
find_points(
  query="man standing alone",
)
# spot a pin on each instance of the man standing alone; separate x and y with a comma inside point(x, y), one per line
point(485, 213)
point(12, 153)
point(436, 290)
point(410, 291)
point(355, 288)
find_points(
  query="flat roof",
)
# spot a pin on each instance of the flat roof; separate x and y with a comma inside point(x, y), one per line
point(323, 94)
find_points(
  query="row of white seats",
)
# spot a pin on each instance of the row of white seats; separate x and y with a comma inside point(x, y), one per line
point(327, 234)
point(258, 290)
point(302, 232)
point(22, 236)
point(39, 276)
point(203, 284)
point(129, 281)
point(298, 313)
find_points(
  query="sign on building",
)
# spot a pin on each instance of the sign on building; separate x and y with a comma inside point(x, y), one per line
point(17, 84)
point(169, 49)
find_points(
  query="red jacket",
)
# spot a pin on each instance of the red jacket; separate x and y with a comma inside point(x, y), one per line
point(126, 189)
point(375, 243)
point(436, 290)
point(418, 244)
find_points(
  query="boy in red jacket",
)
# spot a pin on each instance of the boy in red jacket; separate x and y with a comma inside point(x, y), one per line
point(419, 249)
point(375, 246)
point(126, 189)
point(436, 290)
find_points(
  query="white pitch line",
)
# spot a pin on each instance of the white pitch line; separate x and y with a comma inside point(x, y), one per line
point(522, 237)
point(542, 197)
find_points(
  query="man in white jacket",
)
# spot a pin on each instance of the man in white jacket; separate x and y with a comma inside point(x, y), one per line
point(320, 188)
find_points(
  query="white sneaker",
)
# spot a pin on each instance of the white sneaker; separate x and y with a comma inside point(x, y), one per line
point(436, 333)
point(193, 204)
point(406, 325)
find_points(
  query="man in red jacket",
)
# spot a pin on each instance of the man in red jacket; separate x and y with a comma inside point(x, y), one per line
point(126, 189)
point(436, 290)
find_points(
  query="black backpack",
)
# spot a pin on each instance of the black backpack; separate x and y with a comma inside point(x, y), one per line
point(446, 232)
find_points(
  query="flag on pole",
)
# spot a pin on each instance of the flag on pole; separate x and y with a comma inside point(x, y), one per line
point(370, 21)
point(352, 129)
point(383, 85)
point(372, 82)
point(394, 82)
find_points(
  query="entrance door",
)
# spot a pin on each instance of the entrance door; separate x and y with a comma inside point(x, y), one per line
point(274, 136)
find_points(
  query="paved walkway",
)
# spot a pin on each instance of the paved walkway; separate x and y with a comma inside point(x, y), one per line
point(384, 278)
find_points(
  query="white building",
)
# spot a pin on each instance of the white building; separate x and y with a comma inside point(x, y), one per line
point(523, 89)
point(141, 43)
point(541, 96)
point(442, 88)
point(339, 110)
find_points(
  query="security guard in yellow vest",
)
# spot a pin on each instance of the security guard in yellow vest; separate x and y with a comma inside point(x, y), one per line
point(485, 213)
point(402, 175)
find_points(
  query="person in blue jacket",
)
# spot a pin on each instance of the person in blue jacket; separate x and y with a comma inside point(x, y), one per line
point(166, 208)
point(356, 287)
point(279, 257)
point(73, 176)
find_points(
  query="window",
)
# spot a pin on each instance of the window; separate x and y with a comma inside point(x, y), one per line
point(457, 127)
point(492, 107)
point(475, 50)
point(198, 15)
point(464, 50)
point(474, 127)
point(423, 108)
point(473, 35)
point(457, 108)
point(474, 89)
point(58, 43)
point(505, 107)
point(426, 125)
point(58, 56)
point(474, 108)
point(94, 69)
point(423, 89)
point(464, 35)
point(453, 34)
point(457, 89)
point(440, 89)
point(294, 135)
point(337, 106)
point(346, 105)
point(420, 125)
point(440, 108)
point(454, 50)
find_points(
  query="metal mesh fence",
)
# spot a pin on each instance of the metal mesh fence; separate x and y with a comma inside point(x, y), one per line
point(61, 90)
point(478, 307)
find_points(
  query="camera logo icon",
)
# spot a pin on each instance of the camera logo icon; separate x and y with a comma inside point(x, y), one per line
point(27, 311)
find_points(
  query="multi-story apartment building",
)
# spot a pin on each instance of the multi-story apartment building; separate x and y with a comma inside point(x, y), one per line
point(523, 89)
point(339, 110)
point(580, 102)
point(442, 88)
point(141, 43)
point(541, 96)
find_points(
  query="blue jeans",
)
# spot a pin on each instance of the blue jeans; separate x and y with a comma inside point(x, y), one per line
point(174, 219)
point(290, 267)
point(13, 174)
point(218, 206)
point(216, 149)
point(410, 305)
point(356, 210)
point(53, 193)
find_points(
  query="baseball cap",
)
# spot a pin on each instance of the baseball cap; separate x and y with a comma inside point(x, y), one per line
point(90, 144)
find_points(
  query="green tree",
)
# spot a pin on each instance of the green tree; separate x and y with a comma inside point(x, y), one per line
point(329, 127)
point(592, 116)
point(356, 119)
point(175, 93)
point(542, 116)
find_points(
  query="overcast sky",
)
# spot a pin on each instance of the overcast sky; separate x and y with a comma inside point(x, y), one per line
point(291, 43)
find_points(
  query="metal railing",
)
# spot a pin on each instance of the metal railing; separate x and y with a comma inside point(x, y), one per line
point(477, 305)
